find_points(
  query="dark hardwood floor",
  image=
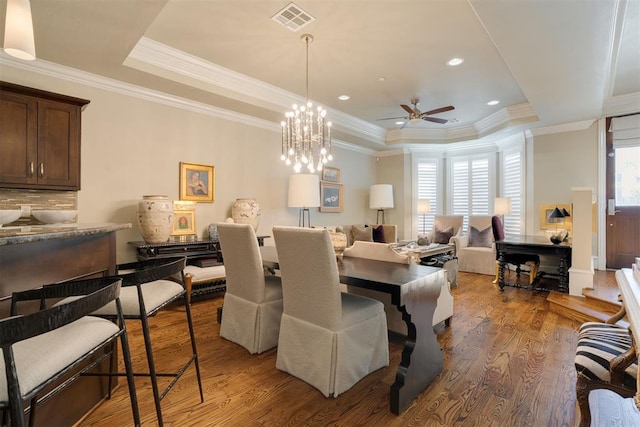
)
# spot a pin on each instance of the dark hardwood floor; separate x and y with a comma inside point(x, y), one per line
point(508, 361)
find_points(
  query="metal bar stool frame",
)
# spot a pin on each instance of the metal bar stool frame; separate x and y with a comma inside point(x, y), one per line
point(137, 274)
point(85, 296)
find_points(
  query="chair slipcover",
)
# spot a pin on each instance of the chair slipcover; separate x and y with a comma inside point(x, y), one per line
point(473, 259)
point(328, 338)
point(253, 301)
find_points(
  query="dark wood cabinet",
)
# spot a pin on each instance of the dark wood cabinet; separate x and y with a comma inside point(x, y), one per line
point(39, 138)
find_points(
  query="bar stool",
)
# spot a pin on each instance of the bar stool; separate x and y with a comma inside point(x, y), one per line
point(42, 348)
point(147, 287)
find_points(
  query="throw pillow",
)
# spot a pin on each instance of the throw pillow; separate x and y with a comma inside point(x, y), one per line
point(361, 233)
point(378, 234)
point(443, 236)
point(480, 239)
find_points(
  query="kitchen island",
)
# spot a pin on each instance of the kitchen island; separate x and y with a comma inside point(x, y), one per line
point(38, 255)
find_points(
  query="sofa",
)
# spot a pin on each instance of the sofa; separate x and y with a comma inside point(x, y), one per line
point(476, 250)
point(385, 252)
point(380, 233)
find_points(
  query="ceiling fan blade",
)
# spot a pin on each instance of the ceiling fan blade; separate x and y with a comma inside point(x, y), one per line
point(393, 118)
point(434, 119)
point(407, 109)
point(438, 110)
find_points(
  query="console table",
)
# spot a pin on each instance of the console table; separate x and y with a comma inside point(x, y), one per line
point(193, 250)
point(537, 245)
point(199, 253)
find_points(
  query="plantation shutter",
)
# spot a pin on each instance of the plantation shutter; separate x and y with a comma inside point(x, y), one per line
point(427, 176)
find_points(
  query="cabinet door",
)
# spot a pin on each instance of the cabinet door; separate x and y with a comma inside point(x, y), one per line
point(18, 156)
point(58, 145)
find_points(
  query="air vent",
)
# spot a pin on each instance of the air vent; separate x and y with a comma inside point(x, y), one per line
point(293, 17)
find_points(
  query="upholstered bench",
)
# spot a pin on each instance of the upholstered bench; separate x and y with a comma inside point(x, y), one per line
point(201, 281)
point(605, 358)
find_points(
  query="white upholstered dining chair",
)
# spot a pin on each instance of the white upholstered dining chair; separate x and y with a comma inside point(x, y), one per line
point(328, 338)
point(253, 301)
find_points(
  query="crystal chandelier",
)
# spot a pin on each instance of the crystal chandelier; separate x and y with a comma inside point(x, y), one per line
point(306, 135)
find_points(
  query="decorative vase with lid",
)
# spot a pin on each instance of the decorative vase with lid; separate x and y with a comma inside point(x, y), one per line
point(155, 216)
point(246, 211)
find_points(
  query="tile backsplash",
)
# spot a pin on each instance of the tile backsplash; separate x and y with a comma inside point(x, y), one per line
point(37, 199)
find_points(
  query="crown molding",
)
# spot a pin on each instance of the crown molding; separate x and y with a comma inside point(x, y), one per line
point(565, 127)
point(621, 104)
point(159, 59)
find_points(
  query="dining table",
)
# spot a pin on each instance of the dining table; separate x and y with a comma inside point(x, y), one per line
point(414, 291)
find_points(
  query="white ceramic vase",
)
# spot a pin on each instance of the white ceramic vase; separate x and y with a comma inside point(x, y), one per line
point(246, 211)
point(155, 216)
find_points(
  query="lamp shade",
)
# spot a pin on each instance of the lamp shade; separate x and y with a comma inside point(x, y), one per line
point(18, 30)
point(381, 196)
point(424, 206)
point(502, 206)
point(556, 213)
point(304, 191)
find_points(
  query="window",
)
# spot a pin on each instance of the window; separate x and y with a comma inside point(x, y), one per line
point(512, 177)
point(471, 186)
point(627, 176)
point(427, 188)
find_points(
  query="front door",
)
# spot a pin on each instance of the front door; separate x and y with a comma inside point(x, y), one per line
point(623, 203)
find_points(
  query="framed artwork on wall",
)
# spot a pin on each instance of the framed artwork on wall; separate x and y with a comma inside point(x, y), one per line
point(331, 197)
point(330, 174)
point(547, 223)
point(184, 223)
point(197, 182)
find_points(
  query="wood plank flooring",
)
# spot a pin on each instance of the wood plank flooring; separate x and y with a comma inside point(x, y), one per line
point(508, 361)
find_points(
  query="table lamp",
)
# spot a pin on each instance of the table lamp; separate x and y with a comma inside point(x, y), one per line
point(424, 207)
point(557, 215)
point(380, 198)
point(304, 193)
point(502, 206)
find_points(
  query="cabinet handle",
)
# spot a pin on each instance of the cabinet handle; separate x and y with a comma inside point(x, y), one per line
point(31, 168)
point(41, 170)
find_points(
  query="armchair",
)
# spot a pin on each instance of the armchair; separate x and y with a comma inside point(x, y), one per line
point(445, 228)
point(476, 250)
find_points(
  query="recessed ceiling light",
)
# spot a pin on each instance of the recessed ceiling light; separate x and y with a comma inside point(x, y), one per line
point(455, 61)
point(494, 102)
point(343, 97)
point(399, 123)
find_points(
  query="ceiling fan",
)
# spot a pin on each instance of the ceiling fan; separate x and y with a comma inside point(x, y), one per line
point(415, 114)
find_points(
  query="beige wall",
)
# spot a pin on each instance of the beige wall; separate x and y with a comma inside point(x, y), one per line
point(394, 170)
point(563, 161)
point(132, 147)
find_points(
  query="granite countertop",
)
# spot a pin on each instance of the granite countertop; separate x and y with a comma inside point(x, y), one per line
point(35, 233)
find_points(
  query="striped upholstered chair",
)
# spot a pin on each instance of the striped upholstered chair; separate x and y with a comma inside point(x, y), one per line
point(605, 359)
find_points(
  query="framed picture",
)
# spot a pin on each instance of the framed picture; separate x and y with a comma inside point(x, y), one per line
point(197, 182)
point(330, 174)
point(547, 223)
point(331, 197)
point(184, 223)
